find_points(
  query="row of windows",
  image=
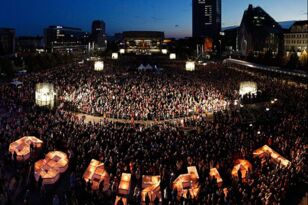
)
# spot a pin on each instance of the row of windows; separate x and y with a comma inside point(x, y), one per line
point(296, 42)
point(296, 35)
point(300, 28)
point(298, 48)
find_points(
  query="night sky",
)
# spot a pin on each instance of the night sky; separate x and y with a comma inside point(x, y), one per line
point(29, 17)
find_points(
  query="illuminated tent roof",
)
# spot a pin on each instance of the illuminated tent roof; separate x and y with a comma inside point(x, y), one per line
point(141, 67)
point(148, 67)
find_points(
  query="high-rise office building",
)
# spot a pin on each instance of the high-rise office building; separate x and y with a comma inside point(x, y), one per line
point(98, 27)
point(7, 41)
point(206, 18)
point(65, 39)
point(98, 36)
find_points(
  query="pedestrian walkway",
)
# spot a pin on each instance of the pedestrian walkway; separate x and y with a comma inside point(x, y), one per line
point(97, 119)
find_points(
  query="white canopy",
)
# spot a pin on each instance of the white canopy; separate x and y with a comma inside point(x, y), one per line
point(149, 67)
point(141, 67)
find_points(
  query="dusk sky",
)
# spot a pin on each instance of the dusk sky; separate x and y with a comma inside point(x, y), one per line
point(29, 17)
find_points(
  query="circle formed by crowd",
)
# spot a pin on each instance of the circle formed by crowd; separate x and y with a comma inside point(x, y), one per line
point(163, 149)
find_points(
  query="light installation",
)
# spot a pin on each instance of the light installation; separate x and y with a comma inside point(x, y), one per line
point(190, 66)
point(99, 65)
point(247, 87)
point(45, 94)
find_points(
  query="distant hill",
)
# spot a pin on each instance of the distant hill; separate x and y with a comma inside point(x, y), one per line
point(283, 24)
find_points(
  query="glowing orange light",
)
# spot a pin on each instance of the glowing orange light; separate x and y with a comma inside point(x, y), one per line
point(185, 183)
point(124, 186)
point(50, 168)
point(22, 147)
point(243, 166)
point(151, 187)
point(97, 174)
point(277, 158)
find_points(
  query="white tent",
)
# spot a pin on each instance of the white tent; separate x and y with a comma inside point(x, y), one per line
point(149, 67)
point(141, 67)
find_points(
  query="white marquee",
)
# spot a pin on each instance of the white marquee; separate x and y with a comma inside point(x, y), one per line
point(248, 87)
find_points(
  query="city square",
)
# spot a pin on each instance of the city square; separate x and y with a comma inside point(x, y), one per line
point(141, 117)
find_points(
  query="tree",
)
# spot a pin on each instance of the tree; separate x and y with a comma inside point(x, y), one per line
point(304, 59)
point(293, 61)
point(268, 57)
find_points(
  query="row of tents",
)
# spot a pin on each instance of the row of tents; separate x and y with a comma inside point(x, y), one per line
point(147, 67)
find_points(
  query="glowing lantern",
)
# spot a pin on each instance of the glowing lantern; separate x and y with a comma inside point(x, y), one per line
point(190, 66)
point(248, 87)
point(243, 166)
point(22, 147)
point(124, 186)
point(99, 65)
point(50, 168)
point(172, 56)
point(215, 174)
point(151, 187)
point(45, 94)
point(277, 158)
point(164, 51)
point(122, 51)
point(97, 174)
point(185, 183)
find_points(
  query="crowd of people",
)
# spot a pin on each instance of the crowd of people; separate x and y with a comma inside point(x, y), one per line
point(162, 149)
point(142, 95)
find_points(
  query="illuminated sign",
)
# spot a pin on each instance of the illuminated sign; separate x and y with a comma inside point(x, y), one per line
point(50, 168)
point(22, 147)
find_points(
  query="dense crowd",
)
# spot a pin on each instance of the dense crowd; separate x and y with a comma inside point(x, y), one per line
point(142, 95)
point(164, 149)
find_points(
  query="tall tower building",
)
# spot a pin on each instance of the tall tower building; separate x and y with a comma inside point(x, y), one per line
point(98, 27)
point(99, 35)
point(206, 18)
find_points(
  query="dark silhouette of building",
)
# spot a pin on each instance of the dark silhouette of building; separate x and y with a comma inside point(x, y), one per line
point(206, 18)
point(98, 27)
point(7, 41)
point(29, 43)
point(229, 40)
point(65, 39)
point(98, 35)
point(259, 33)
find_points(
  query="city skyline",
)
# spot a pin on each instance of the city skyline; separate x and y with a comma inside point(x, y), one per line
point(173, 17)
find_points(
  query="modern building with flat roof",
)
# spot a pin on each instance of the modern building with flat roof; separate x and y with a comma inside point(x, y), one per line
point(65, 39)
point(206, 18)
point(98, 35)
point(143, 42)
point(7, 41)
